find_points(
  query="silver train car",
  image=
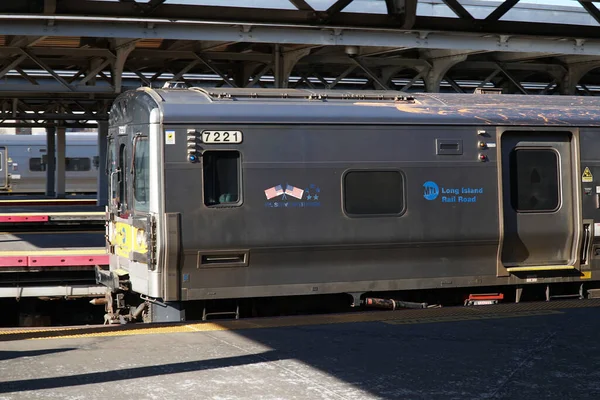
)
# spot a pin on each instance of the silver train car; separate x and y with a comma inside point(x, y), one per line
point(23, 163)
point(234, 193)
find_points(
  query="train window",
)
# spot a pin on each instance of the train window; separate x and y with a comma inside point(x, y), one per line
point(374, 193)
point(221, 177)
point(122, 194)
point(77, 164)
point(37, 164)
point(534, 178)
point(71, 164)
point(141, 174)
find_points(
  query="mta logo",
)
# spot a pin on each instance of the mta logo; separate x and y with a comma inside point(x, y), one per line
point(430, 190)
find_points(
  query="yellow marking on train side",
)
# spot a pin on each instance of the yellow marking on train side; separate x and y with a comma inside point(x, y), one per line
point(540, 268)
point(66, 252)
point(586, 275)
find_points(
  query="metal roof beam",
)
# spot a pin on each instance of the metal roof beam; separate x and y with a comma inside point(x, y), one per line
point(512, 79)
point(10, 66)
point(319, 36)
point(591, 9)
point(94, 72)
point(29, 79)
point(215, 70)
point(301, 5)
point(458, 9)
point(369, 73)
point(47, 68)
point(123, 47)
point(368, 61)
point(513, 57)
point(501, 10)
point(25, 41)
point(337, 7)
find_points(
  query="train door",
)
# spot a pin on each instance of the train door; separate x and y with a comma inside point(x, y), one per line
point(3, 168)
point(540, 200)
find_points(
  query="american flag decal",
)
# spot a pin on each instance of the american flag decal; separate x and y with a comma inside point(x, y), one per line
point(294, 192)
point(274, 192)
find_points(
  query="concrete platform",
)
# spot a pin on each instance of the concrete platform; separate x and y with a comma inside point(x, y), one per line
point(524, 351)
point(57, 251)
point(12, 243)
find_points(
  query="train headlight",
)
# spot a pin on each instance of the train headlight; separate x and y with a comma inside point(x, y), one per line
point(141, 238)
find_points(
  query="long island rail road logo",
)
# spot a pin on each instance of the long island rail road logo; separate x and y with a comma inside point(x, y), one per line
point(288, 196)
point(459, 194)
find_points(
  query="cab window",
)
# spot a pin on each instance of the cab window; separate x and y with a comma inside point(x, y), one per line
point(141, 175)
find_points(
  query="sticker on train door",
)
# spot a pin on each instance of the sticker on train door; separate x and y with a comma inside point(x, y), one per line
point(587, 175)
point(170, 137)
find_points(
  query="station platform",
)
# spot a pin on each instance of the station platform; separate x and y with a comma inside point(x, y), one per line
point(51, 249)
point(30, 259)
point(507, 351)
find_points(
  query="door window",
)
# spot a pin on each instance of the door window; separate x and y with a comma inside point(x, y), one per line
point(534, 180)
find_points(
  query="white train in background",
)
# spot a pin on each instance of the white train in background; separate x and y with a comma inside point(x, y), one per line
point(23, 163)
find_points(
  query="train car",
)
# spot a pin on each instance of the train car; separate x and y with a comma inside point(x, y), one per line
point(235, 193)
point(23, 163)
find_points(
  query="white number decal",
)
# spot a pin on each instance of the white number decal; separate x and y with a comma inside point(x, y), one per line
point(222, 137)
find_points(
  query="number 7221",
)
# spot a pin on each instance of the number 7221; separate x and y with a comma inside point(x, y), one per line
point(221, 137)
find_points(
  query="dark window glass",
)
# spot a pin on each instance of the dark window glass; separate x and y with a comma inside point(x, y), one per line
point(373, 192)
point(221, 177)
point(141, 177)
point(77, 164)
point(36, 164)
point(71, 164)
point(122, 197)
point(534, 180)
point(111, 166)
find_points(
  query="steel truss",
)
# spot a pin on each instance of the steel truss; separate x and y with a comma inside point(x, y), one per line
point(65, 62)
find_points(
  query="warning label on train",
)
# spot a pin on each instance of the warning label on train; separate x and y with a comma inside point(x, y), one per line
point(587, 175)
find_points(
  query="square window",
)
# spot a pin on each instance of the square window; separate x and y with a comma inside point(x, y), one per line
point(374, 193)
point(221, 177)
point(534, 178)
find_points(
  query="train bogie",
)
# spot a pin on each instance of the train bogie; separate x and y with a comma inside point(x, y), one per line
point(223, 195)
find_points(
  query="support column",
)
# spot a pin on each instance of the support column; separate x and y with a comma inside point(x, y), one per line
point(102, 191)
point(60, 161)
point(440, 67)
point(290, 59)
point(575, 73)
point(50, 156)
point(277, 68)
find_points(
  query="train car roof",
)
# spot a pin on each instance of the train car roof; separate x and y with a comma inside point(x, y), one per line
point(71, 138)
point(194, 105)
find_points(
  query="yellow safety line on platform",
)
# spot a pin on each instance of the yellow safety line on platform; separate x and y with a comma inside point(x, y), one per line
point(248, 324)
point(398, 317)
point(66, 252)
